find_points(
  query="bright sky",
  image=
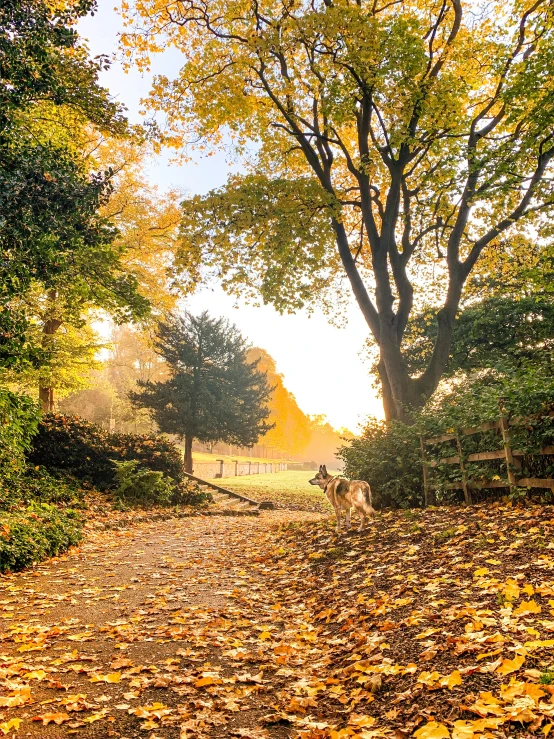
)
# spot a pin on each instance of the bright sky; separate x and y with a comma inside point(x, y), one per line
point(322, 364)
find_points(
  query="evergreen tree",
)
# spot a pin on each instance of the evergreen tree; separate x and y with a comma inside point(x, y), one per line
point(214, 393)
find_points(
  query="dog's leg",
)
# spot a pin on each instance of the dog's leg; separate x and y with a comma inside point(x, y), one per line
point(338, 515)
point(362, 521)
point(348, 518)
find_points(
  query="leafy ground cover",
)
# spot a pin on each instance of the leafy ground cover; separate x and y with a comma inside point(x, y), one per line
point(432, 624)
point(36, 532)
point(288, 489)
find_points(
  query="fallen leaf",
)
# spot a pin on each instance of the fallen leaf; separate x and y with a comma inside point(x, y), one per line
point(432, 730)
point(510, 665)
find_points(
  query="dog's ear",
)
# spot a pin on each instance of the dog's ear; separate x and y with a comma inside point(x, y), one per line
point(324, 469)
point(321, 468)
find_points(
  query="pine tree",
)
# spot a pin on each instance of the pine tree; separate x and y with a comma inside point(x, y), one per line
point(214, 392)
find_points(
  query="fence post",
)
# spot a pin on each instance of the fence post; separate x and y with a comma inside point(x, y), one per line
point(467, 492)
point(426, 496)
point(510, 461)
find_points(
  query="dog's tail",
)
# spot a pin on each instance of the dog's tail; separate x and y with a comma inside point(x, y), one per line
point(368, 502)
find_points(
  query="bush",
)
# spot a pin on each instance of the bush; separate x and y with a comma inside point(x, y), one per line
point(19, 419)
point(139, 486)
point(38, 532)
point(87, 452)
point(37, 484)
point(188, 492)
point(388, 456)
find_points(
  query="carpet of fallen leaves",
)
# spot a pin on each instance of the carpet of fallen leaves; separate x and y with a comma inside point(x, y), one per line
point(429, 624)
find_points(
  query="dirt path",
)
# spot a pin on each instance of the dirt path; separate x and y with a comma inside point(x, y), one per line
point(163, 629)
point(435, 624)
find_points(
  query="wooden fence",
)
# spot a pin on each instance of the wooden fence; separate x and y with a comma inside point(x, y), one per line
point(219, 468)
point(511, 457)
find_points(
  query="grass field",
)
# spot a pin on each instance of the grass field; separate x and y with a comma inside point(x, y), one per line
point(286, 489)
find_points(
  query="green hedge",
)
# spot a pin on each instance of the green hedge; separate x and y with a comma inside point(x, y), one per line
point(31, 535)
point(69, 445)
point(388, 456)
point(86, 451)
point(39, 485)
point(19, 420)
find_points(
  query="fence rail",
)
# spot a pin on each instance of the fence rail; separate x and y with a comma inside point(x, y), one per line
point(512, 458)
point(219, 468)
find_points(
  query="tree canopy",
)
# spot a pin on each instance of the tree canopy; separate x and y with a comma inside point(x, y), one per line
point(52, 231)
point(499, 333)
point(214, 392)
point(42, 59)
point(426, 127)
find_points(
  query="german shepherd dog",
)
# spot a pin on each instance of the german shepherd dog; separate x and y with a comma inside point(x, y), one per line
point(344, 495)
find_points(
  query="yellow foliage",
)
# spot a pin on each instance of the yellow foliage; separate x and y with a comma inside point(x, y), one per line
point(148, 221)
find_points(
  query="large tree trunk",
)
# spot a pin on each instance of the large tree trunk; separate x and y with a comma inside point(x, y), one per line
point(188, 454)
point(46, 398)
point(386, 394)
point(50, 326)
point(403, 395)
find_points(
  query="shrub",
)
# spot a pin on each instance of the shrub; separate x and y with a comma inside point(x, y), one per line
point(87, 451)
point(37, 484)
point(38, 532)
point(188, 492)
point(139, 486)
point(19, 419)
point(388, 456)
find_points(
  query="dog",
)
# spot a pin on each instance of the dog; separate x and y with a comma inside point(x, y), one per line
point(344, 495)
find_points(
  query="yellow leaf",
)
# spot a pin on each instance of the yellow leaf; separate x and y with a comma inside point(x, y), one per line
point(204, 681)
point(16, 698)
point(470, 729)
point(510, 665)
point(463, 730)
point(428, 678)
point(7, 726)
point(265, 635)
point(528, 589)
point(527, 606)
point(539, 643)
point(357, 720)
point(55, 718)
point(112, 677)
point(481, 571)
point(35, 675)
point(96, 716)
point(425, 633)
point(450, 681)
point(511, 590)
point(432, 730)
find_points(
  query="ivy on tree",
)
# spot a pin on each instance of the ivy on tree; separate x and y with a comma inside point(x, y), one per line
point(214, 392)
